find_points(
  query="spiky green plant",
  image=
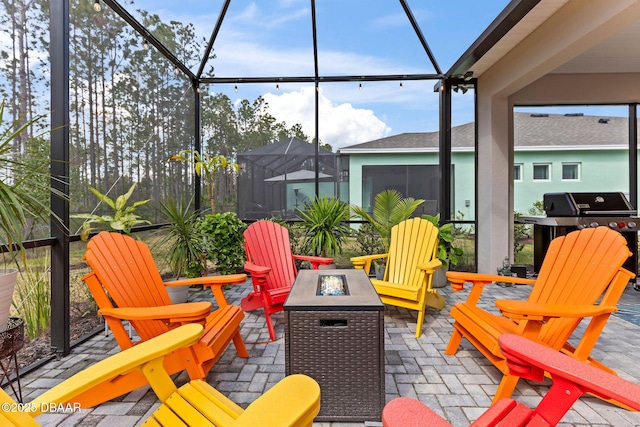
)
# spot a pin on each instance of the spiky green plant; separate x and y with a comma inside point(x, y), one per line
point(389, 209)
point(183, 238)
point(33, 297)
point(324, 221)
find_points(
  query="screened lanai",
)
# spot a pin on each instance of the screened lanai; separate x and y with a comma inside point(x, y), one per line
point(130, 84)
point(139, 85)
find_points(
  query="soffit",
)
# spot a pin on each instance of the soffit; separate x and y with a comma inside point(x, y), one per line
point(619, 53)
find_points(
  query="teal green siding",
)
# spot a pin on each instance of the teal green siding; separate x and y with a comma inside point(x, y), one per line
point(600, 170)
point(463, 168)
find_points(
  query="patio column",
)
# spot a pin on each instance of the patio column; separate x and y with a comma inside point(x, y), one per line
point(495, 182)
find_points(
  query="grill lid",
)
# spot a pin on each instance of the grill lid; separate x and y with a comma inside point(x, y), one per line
point(587, 204)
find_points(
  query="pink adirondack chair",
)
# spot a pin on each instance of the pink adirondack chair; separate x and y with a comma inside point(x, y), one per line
point(272, 267)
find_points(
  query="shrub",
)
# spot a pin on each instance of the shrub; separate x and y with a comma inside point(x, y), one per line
point(223, 242)
point(368, 240)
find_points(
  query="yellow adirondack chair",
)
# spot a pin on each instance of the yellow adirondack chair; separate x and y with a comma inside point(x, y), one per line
point(294, 401)
point(581, 277)
point(411, 262)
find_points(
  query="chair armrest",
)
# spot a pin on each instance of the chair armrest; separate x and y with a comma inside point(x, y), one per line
point(258, 271)
point(175, 313)
point(431, 266)
point(258, 274)
point(364, 261)
point(119, 364)
point(215, 283)
point(294, 401)
point(459, 278)
point(227, 279)
point(314, 260)
point(525, 310)
point(410, 412)
point(530, 360)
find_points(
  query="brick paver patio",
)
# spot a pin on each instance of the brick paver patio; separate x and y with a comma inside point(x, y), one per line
point(458, 387)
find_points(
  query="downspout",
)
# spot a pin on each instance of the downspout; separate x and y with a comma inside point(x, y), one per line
point(633, 155)
point(197, 143)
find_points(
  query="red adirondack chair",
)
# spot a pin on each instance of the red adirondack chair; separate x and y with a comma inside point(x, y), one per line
point(272, 267)
point(528, 359)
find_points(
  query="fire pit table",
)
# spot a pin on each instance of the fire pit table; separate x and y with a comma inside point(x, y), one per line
point(334, 332)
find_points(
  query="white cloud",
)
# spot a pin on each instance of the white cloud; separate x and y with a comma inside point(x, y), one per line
point(340, 125)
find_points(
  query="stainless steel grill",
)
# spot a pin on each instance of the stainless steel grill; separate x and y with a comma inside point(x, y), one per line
point(567, 212)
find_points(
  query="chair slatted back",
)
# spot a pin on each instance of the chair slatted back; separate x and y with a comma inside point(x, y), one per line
point(413, 242)
point(577, 270)
point(128, 274)
point(267, 244)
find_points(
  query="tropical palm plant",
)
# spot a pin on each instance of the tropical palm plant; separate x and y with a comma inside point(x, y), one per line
point(122, 220)
point(206, 167)
point(389, 209)
point(20, 184)
point(326, 229)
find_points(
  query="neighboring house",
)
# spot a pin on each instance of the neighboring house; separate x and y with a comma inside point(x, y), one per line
point(553, 152)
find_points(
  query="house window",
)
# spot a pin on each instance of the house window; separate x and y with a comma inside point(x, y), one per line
point(571, 171)
point(517, 172)
point(417, 181)
point(542, 172)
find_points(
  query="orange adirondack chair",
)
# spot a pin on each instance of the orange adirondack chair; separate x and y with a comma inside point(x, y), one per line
point(527, 359)
point(271, 264)
point(411, 262)
point(581, 277)
point(126, 285)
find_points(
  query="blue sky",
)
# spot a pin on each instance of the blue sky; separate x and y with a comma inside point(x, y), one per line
point(355, 37)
